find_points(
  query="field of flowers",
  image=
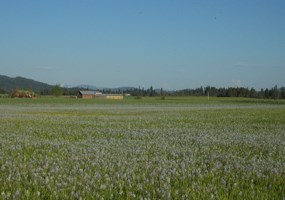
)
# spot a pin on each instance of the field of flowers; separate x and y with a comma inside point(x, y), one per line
point(142, 150)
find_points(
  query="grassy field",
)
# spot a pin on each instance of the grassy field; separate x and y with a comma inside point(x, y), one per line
point(178, 148)
point(145, 100)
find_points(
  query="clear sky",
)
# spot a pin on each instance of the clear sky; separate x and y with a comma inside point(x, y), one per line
point(173, 44)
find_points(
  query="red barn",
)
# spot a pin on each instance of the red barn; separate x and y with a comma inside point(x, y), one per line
point(87, 94)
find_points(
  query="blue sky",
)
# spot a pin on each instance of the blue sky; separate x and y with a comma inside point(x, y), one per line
point(160, 43)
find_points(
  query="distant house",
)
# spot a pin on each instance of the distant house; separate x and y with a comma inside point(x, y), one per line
point(95, 94)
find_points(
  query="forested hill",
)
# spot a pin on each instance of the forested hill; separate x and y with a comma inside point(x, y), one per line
point(9, 84)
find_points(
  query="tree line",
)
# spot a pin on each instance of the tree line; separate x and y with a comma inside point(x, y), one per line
point(272, 93)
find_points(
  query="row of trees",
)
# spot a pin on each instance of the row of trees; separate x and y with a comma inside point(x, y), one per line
point(273, 93)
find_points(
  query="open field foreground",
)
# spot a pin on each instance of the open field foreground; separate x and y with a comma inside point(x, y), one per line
point(186, 148)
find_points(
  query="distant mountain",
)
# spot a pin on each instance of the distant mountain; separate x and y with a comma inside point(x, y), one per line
point(92, 87)
point(119, 89)
point(89, 87)
point(9, 84)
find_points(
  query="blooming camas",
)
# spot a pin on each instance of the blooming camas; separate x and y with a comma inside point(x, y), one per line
point(142, 151)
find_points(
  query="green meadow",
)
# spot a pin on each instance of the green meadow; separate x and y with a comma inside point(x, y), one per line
point(177, 148)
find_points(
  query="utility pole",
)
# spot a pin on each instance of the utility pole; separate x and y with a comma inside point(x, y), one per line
point(209, 93)
point(208, 96)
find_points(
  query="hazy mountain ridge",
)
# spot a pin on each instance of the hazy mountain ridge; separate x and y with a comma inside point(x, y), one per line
point(92, 87)
point(9, 84)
